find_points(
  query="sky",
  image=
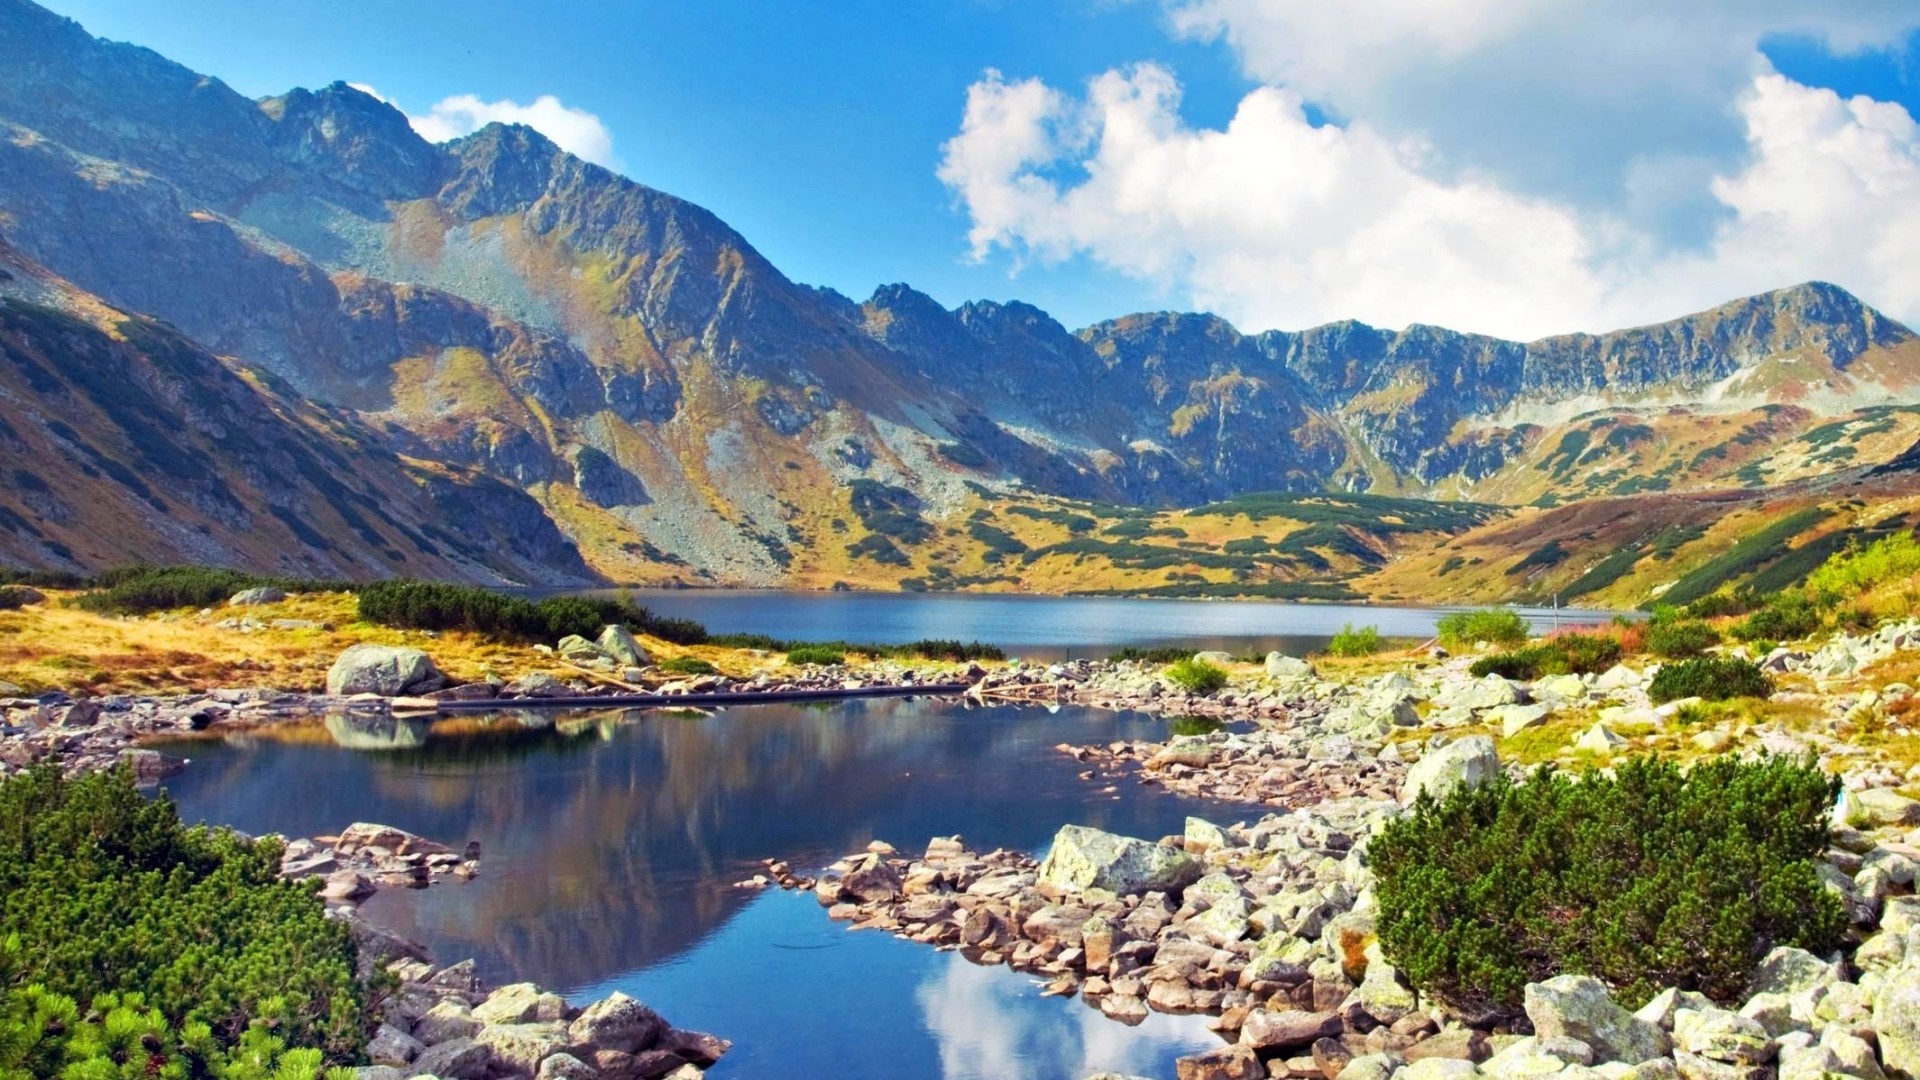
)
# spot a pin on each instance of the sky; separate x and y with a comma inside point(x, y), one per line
point(1516, 167)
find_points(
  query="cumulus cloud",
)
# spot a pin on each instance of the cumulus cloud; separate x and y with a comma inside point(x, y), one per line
point(1273, 221)
point(576, 131)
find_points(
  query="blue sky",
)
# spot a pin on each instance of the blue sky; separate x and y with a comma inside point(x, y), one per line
point(818, 129)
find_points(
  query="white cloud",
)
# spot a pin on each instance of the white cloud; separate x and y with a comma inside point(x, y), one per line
point(576, 131)
point(1272, 221)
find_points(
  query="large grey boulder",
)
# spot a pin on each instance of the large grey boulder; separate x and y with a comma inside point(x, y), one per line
point(519, 1003)
point(1282, 666)
point(617, 1023)
point(1467, 762)
point(1882, 806)
point(265, 594)
point(387, 670)
point(1088, 858)
point(1579, 1007)
point(1896, 1018)
point(1787, 970)
point(618, 643)
point(455, 1059)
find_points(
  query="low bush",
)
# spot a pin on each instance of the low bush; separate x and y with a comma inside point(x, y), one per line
point(1720, 606)
point(688, 665)
point(1712, 678)
point(440, 605)
point(13, 597)
point(1648, 878)
point(1196, 676)
point(192, 956)
point(1785, 617)
point(1568, 654)
point(1677, 639)
point(1350, 642)
point(139, 590)
point(1152, 654)
point(1851, 573)
point(944, 649)
point(1497, 626)
point(816, 654)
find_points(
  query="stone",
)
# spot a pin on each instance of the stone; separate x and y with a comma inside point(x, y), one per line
point(1877, 807)
point(520, 1003)
point(1695, 1067)
point(1854, 1053)
point(456, 1059)
point(1226, 1063)
point(1807, 1063)
point(1564, 687)
point(391, 1046)
point(151, 766)
point(379, 1072)
point(616, 641)
point(1789, 971)
point(578, 649)
point(1514, 719)
point(1467, 762)
point(617, 1023)
point(1265, 1030)
point(1204, 835)
point(1599, 739)
point(1439, 1068)
point(387, 670)
point(1381, 993)
point(1723, 1036)
point(874, 880)
point(1660, 1010)
point(1281, 666)
point(1528, 1059)
point(347, 886)
point(450, 1019)
point(1579, 1007)
point(1896, 1019)
point(1369, 1067)
point(520, 1048)
point(265, 594)
point(1773, 1012)
point(565, 1066)
point(1617, 677)
point(1086, 858)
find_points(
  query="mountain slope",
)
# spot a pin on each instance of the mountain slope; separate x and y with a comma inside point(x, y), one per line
point(662, 396)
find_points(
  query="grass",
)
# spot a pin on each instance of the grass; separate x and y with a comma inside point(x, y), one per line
point(1351, 642)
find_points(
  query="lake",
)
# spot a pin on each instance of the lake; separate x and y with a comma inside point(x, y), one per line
point(611, 844)
point(1053, 627)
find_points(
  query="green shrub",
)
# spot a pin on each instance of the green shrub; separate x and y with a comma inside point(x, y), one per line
point(823, 655)
point(441, 605)
point(1713, 678)
point(1350, 642)
point(688, 665)
point(1680, 640)
point(186, 938)
point(138, 590)
point(1850, 573)
point(1498, 626)
point(1649, 878)
point(13, 597)
point(1152, 654)
point(1196, 676)
point(1720, 605)
point(1568, 654)
point(941, 649)
point(1785, 617)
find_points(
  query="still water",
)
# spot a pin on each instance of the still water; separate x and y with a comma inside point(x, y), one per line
point(1052, 627)
point(612, 842)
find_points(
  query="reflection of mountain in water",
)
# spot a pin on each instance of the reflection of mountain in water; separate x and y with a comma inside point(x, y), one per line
point(622, 851)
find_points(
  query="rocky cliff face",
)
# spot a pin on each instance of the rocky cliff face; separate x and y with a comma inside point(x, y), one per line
point(671, 402)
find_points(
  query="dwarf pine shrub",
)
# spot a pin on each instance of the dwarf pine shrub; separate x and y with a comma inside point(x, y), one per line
point(1680, 639)
point(1568, 654)
point(1196, 676)
point(1648, 878)
point(182, 946)
point(1496, 626)
point(1712, 678)
point(442, 605)
point(1350, 642)
point(816, 654)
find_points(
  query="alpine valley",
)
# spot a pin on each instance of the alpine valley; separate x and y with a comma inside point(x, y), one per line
point(292, 335)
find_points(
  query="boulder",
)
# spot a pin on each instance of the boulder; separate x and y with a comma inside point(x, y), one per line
point(1514, 719)
point(1896, 1018)
point(265, 594)
point(448, 1020)
point(1265, 1030)
point(565, 1066)
point(1882, 806)
point(1282, 666)
point(1490, 692)
point(1722, 1036)
point(1599, 739)
point(391, 1046)
point(1789, 971)
point(578, 649)
point(874, 880)
point(617, 1023)
point(1617, 677)
point(456, 1059)
point(1469, 762)
point(387, 670)
point(520, 1048)
point(1579, 1007)
point(520, 1003)
point(1088, 858)
point(1226, 1063)
point(617, 642)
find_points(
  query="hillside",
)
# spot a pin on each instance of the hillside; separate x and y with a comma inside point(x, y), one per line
point(648, 390)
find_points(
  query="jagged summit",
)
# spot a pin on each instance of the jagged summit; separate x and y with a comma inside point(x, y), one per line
point(497, 305)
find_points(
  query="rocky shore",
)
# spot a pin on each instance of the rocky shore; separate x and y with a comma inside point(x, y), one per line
point(443, 1022)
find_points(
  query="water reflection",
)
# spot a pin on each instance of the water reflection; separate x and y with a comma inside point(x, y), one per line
point(612, 841)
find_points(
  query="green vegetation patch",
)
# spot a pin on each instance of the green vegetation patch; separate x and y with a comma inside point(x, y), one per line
point(1712, 678)
point(439, 605)
point(191, 956)
point(889, 511)
point(1680, 639)
point(1351, 642)
point(1196, 676)
point(1568, 654)
point(688, 665)
point(1748, 555)
point(1374, 514)
point(139, 590)
point(1076, 524)
point(1497, 626)
point(1646, 879)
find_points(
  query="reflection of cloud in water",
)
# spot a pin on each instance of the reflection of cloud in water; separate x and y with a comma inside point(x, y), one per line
point(992, 1023)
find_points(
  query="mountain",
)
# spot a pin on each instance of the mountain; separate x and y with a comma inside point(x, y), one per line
point(672, 407)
